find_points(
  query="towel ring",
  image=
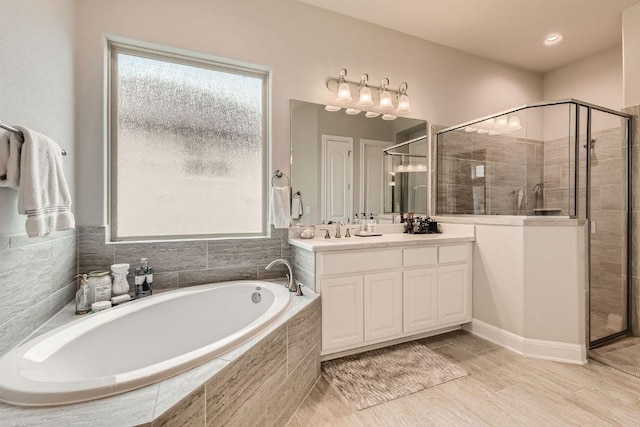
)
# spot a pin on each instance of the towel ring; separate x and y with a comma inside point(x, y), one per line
point(278, 174)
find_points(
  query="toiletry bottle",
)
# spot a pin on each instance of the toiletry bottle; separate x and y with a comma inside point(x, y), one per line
point(363, 222)
point(372, 224)
point(84, 297)
point(144, 279)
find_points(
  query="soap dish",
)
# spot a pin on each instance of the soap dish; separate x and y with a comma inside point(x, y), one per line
point(367, 234)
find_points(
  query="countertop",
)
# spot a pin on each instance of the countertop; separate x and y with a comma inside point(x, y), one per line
point(451, 233)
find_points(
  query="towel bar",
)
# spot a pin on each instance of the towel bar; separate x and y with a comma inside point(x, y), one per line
point(17, 132)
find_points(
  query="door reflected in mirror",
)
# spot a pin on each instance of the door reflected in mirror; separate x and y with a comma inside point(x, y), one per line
point(339, 166)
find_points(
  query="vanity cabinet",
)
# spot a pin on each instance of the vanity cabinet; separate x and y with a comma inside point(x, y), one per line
point(378, 295)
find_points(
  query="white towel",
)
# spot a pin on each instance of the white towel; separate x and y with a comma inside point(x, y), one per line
point(280, 211)
point(10, 145)
point(43, 194)
point(296, 206)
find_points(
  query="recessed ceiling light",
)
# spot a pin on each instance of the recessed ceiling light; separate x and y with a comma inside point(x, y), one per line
point(552, 39)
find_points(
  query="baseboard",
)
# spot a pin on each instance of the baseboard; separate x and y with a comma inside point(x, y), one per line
point(529, 347)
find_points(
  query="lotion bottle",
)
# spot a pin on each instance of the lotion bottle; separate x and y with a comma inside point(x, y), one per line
point(84, 297)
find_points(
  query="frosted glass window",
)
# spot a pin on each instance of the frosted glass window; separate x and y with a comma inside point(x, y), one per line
point(188, 147)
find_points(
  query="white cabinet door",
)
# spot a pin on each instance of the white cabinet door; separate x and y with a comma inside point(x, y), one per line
point(420, 299)
point(453, 294)
point(382, 305)
point(342, 312)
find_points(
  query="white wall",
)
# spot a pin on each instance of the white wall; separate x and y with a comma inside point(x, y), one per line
point(36, 83)
point(596, 79)
point(631, 47)
point(303, 45)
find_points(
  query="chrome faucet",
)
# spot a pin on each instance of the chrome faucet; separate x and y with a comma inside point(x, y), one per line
point(338, 224)
point(291, 284)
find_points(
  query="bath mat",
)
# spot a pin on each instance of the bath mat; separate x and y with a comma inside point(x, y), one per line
point(377, 376)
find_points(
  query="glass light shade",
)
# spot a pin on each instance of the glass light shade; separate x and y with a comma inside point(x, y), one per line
point(514, 122)
point(366, 100)
point(372, 114)
point(501, 122)
point(344, 93)
point(385, 100)
point(389, 117)
point(352, 111)
point(332, 108)
point(404, 104)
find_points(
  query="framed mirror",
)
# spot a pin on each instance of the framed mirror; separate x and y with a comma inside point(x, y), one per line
point(345, 164)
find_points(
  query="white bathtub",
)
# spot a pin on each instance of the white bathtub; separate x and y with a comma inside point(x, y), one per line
point(137, 343)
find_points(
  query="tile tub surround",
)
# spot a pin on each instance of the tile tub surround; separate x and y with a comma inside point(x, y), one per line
point(36, 281)
point(187, 263)
point(261, 382)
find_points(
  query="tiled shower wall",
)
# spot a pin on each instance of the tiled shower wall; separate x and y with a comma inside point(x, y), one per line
point(188, 263)
point(507, 165)
point(36, 281)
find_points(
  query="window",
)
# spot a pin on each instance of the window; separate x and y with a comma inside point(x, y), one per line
point(189, 142)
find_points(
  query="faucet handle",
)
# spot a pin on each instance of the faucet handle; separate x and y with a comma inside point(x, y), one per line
point(348, 232)
point(299, 291)
point(326, 233)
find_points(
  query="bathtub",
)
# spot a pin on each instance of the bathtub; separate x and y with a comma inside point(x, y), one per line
point(138, 343)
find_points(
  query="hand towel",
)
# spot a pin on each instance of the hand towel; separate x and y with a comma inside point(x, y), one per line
point(280, 212)
point(296, 206)
point(10, 146)
point(43, 194)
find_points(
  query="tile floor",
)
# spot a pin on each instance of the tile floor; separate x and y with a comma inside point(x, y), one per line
point(503, 389)
point(623, 355)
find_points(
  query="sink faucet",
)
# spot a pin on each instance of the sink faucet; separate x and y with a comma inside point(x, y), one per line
point(338, 224)
point(291, 284)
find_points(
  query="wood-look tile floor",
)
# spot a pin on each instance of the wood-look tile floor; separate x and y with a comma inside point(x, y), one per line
point(503, 389)
point(623, 354)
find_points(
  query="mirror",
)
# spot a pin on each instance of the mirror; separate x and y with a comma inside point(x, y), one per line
point(339, 166)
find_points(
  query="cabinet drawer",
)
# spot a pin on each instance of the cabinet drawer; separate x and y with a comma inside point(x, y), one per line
point(359, 261)
point(453, 253)
point(420, 257)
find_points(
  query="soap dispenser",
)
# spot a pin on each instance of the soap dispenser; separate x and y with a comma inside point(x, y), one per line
point(371, 225)
point(84, 296)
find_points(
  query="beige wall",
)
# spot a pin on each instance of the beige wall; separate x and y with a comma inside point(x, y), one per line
point(303, 45)
point(631, 49)
point(36, 83)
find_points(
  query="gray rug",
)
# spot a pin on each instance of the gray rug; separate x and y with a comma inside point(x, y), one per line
point(377, 376)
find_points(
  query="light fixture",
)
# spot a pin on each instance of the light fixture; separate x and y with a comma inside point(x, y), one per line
point(386, 102)
point(496, 125)
point(389, 117)
point(366, 99)
point(344, 91)
point(352, 111)
point(552, 39)
point(404, 103)
point(382, 98)
point(372, 114)
point(332, 108)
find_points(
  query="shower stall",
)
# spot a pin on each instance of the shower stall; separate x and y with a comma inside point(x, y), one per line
point(561, 159)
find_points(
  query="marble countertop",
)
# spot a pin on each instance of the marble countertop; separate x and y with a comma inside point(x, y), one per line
point(451, 233)
point(142, 405)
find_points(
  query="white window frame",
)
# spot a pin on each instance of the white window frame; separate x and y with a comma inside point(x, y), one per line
point(116, 45)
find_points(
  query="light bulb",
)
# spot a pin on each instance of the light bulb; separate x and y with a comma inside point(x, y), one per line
point(385, 100)
point(366, 100)
point(404, 104)
point(344, 93)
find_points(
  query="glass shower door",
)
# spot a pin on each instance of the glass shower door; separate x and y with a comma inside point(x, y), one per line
point(607, 209)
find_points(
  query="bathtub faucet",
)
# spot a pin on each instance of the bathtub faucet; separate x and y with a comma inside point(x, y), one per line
point(291, 284)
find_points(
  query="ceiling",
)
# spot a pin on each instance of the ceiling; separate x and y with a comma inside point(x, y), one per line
point(507, 31)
